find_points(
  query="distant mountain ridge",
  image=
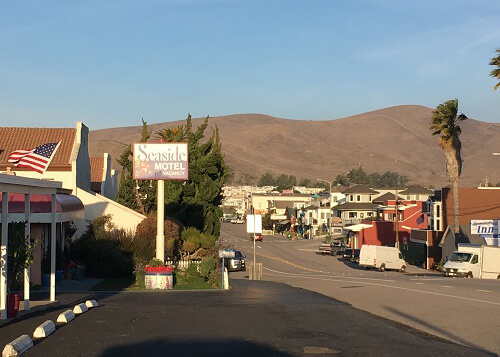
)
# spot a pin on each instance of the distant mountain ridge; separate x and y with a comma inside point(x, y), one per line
point(392, 139)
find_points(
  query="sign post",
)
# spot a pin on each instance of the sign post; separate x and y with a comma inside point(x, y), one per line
point(254, 225)
point(160, 161)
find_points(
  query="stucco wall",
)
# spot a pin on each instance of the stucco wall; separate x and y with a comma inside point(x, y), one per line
point(63, 176)
point(82, 178)
point(97, 206)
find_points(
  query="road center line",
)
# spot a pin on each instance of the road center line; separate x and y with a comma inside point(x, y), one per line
point(484, 291)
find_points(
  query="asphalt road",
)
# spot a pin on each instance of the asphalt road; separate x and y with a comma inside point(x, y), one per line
point(465, 311)
point(254, 318)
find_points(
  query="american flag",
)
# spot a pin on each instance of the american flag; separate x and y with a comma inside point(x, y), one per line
point(420, 219)
point(37, 159)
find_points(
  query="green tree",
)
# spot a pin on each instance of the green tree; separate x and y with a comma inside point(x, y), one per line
point(358, 176)
point(286, 182)
point(139, 195)
point(341, 180)
point(266, 180)
point(196, 202)
point(495, 61)
point(445, 120)
point(305, 182)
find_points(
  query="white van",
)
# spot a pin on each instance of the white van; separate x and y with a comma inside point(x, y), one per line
point(381, 258)
point(474, 261)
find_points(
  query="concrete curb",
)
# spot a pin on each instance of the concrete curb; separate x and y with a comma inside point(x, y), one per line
point(91, 303)
point(18, 346)
point(80, 309)
point(66, 316)
point(44, 329)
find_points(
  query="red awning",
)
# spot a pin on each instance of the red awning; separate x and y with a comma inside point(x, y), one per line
point(42, 203)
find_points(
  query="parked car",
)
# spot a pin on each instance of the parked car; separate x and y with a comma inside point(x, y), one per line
point(351, 255)
point(381, 258)
point(355, 255)
point(258, 237)
point(347, 254)
point(333, 248)
point(236, 263)
point(240, 221)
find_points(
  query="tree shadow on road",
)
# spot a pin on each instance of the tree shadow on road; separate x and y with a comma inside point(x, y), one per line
point(164, 347)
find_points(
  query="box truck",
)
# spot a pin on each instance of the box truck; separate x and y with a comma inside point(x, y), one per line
point(381, 258)
point(474, 261)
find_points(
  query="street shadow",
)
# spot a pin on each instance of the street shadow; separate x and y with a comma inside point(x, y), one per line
point(448, 335)
point(163, 347)
point(351, 264)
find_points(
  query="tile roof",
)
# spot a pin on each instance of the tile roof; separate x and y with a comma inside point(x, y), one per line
point(417, 189)
point(12, 139)
point(360, 189)
point(284, 204)
point(354, 206)
point(96, 170)
point(389, 196)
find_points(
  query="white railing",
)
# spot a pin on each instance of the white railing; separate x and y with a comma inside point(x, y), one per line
point(182, 264)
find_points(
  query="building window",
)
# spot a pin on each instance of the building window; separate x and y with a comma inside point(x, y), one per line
point(369, 214)
point(358, 198)
point(438, 213)
point(417, 197)
point(361, 215)
point(353, 214)
point(351, 198)
point(322, 215)
point(335, 198)
point(408, 197)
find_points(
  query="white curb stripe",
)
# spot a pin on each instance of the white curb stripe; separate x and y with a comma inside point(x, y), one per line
point(44, 329)
point(66, 316)
point(18, 346)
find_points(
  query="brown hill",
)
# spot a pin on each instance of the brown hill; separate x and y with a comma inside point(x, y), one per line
point(392, 139)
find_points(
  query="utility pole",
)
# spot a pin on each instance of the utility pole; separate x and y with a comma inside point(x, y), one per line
point(396, 220)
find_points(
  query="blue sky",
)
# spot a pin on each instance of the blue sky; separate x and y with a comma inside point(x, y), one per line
point(110, 63)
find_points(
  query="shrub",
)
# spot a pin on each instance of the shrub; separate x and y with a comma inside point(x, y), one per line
point(143, 244)
point(101, 251)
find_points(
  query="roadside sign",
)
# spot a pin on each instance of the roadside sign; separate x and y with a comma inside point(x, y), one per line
point(254, 223)
point(160, 161)
point(226, 253)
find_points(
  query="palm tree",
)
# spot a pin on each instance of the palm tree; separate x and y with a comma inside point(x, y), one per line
point(495, 61)
point(445, 121)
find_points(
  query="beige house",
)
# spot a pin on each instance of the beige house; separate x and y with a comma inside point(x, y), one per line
point(262, 203)
point(71, 166)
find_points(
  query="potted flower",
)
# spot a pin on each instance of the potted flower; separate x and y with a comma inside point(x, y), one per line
point(19, 257)
point(158, 275)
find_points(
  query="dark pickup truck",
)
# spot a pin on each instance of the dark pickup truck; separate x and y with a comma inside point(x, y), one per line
point(333, 248)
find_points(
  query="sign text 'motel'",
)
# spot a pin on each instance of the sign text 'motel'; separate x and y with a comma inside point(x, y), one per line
point(160, 161)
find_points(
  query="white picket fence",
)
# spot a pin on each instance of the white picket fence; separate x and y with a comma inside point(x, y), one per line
point(182, 264)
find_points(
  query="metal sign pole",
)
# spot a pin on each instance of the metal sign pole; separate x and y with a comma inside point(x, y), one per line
point(254, 255)
point(160, 217)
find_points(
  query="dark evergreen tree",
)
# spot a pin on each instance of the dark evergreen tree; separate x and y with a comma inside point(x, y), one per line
point(196, 202)
point(267, 180)
point(139, 195)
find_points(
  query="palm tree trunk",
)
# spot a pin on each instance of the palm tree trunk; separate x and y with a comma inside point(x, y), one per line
point(456, 223)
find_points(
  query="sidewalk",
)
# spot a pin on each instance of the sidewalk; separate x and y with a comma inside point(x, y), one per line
point(67, 292)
